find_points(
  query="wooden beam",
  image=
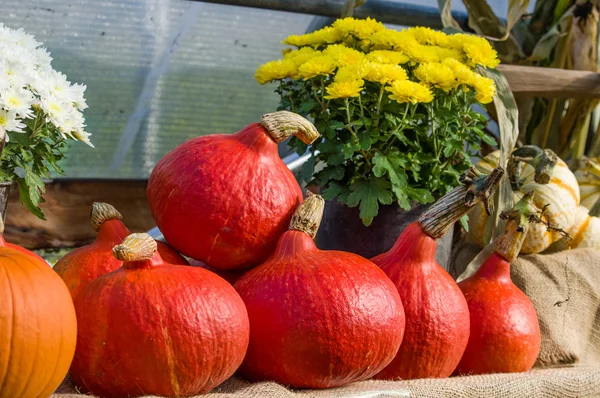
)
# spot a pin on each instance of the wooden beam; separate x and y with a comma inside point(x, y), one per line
point(551, 82)
point(67, 209)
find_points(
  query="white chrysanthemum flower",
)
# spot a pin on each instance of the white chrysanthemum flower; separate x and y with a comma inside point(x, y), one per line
point(82, 136)
point(27, 80)
point(10, 122)
point(18, 100)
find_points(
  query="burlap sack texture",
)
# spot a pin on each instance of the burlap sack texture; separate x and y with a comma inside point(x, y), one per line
point(565, 290)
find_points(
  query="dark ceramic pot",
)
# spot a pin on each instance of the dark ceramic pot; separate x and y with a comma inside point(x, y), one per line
point(342, 229)
point(4, 191)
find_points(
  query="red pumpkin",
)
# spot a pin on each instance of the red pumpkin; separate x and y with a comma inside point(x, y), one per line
point(229, 276)
point(318, 319)
point(505, 332)
point(86, 263)
point(38, 329)
point(226, 199)
point(437, 315)
point(152, 328)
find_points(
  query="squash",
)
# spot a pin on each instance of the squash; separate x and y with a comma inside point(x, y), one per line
point(38, 329)
point(555, 189)
point(84, 264)
point(587, 172)
point(152, 328)
point(585, 232)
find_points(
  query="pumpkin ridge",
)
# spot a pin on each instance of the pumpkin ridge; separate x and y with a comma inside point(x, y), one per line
point(168, 347)
point(53, 374)
point(580, 233)
point(12, 324)
point(557, 181)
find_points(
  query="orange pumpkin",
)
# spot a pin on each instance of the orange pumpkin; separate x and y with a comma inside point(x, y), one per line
point(38, 329)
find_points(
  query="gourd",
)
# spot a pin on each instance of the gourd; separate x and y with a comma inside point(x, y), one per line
point(86, 263)
point(505, 332)
point(38, 329)
point(556, 191)
point(585, 232)
point(588, 177)
point(437, 316)
point(318, 319)
point(225, 199)
point(151, 328)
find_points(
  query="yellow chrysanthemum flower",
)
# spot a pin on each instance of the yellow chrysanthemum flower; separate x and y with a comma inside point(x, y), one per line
point(462, 73)
point(429, 36)
point(344, 89)
point(418, 52)
point(322, 36)
point(385, 73)
point(477, 49)
point(353, 72)
point(387, 57)
point(275, 70)
point(344, 56)
point(486, 89)
point(445, 53)
point(301, 55)
point(359, 28)
point(321, 65)
point(407, 91)
point(390, 39)
point(437, 75)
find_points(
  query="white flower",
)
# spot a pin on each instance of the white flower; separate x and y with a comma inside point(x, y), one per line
point(10, 122)
point(18, 100)
point(82, 136)
point(27, 80)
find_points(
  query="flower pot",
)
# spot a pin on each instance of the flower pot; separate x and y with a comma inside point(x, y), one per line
point(4, 191)
point(342, 229)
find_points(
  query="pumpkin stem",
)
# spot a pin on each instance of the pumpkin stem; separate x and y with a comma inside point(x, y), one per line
point(508, 244)
point(102, 212)
point(307, 217)
point(136, 247)
point(283, 124)
point(475, 187)
point(542, 160)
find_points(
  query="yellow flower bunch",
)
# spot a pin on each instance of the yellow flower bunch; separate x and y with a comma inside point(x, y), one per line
point(353, 51)
point(407, 91)
point(385, 73)
point(276, 70)
point(388, 57)
point(344, 89)
point(320, 65)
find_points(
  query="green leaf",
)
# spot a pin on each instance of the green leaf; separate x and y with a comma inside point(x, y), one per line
point(368, 194)
point(336, 191)
point(422, 196)
point(307, 106)
point(307, 170)
point(27, 200)
point(390, 164)
point(332, 173)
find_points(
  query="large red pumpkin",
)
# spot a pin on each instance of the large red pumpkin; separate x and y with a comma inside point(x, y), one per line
point(505, 332)
point(318, 319)
point(86, 263)
point(151, 328)
point(437, 315)
point(38, 329)
point(226, 199)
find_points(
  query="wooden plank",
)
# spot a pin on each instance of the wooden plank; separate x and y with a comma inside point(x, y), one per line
point(551, 82)
point(67, 209)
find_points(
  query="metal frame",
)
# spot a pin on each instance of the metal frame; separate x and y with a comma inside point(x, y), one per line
point(386, 11)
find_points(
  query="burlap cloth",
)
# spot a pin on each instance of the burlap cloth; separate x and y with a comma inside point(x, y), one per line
point(565, 289)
